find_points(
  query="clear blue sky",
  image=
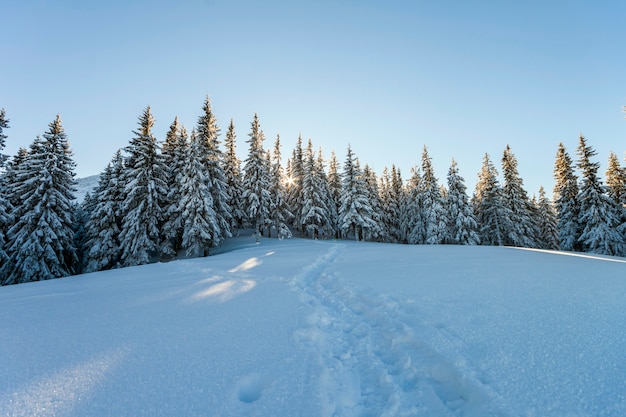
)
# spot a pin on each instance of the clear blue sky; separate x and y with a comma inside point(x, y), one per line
point(387, 77)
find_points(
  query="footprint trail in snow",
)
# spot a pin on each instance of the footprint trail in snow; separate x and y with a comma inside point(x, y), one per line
point(374, 359)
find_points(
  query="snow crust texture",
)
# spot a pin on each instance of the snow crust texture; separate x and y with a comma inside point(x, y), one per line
point(318, 328)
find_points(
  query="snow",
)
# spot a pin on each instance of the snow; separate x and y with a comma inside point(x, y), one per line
point(322, 328)
point(85, 185)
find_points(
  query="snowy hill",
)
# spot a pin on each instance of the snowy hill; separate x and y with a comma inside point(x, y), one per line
point(85, 185)
point(320, 328)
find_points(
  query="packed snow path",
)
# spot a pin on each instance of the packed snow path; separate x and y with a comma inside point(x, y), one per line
point(318, 328)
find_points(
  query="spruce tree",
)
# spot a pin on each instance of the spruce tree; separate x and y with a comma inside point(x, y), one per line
point(4, 124)
point(105, 219)
point(256, 181)
point(412, 216)
point(521, 231)
point(373, 195)
point(41, 241)
point(5, 207)
point(356, 215)
point(599, 215)
point(279, 212)
point(462, 225)
point(433, 205)
point(174, 154)
point(334, 191)
point(146, 188)
point(201, 228)
point(491, 214)
point(232, 174)
point(208, 133)
point(547, 233)
point(616, 180)
point(566, 201)
point(315, 216)
point(296, 176)
point(389, 215)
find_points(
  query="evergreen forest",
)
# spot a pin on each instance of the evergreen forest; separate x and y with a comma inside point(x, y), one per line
point(180, 197)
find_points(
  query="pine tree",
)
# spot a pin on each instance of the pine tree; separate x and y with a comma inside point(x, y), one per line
point(566, 201)
point(5, 207)
point(491, 214)
point(522, 229)
point(10, 179)
point(4, 124)
point(599, 215)
point(295, 174)
point(356, 216)
point(279, 212)
point(174, 154)
point(373, 195)
point(105, 219)
point(334, 191)
point(41, 241)
point(142, 211)
point(389, 216)
point(315, 216)
point(616, 180)
point(208, 132)
point(433, 206)
point(547, 233)
point(412, 217)
point(201, 228)
point(462, 225)
point(256, 180)
point(232, 174)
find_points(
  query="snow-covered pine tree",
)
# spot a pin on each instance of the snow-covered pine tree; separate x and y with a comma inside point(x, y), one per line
point(174, 153)
point(105, 219)
point(81, 220)
point(547, 233)
point(326, 192)
point(433, 205)
point(256, 180)
point(388, 214)
point(334, 189)
point(356, 216)
point(41, 240)
point(616, 189)
point(5, 208)
point(412, 219)
point(142, 211)
point(232, 173)
point(491, 214)
point(295, 174)
point(4, 124)
point(208, 132)
point(373, 195)
point(397, 198)
point(279, 212)
point(616, 180)
point(599, 215)
point(521, 231)
point(462, 225)
point(566, 201)
point(10, 178)
point(315, 216)
point(200, 221)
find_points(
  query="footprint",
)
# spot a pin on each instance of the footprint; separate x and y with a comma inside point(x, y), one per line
point(250, 388)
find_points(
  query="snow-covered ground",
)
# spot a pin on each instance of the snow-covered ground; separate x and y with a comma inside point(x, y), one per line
point(321, 328)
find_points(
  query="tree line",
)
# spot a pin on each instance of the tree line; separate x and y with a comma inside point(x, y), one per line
point(157, 201)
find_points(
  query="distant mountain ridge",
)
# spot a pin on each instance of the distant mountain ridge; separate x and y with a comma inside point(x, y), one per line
point(84, 186)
